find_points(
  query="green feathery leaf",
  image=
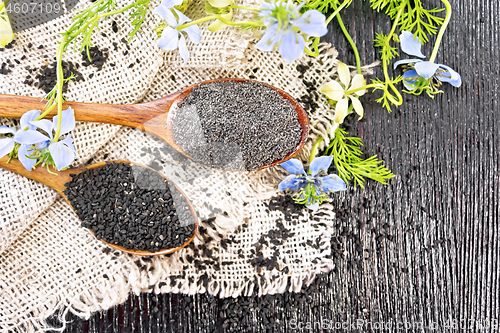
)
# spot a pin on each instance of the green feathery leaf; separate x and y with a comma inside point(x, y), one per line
point(347, 158)
point(414, 17)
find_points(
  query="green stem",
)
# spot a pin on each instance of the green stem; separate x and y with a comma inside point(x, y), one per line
point(441, 31)
point(371, 85)
point(98, 17)
point(255, 9)
point(220, 18)
point(398, 100)
point(314, 149)
point(60, 84)
point(60, 74)
point(389, 83)
point(355, 49)
point(342, 6)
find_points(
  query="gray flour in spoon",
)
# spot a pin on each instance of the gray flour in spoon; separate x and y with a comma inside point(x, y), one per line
point(236, 125)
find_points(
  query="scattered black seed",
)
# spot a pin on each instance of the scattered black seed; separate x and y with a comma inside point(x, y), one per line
point(10, 45)
point(97, 57)
point(131, 65)
point(47, 76)
point(78, 270)
point(40, 47)
point(236, 125)
point(5, 69)
point(302, 68)
point(114, 26)
point(131, 206)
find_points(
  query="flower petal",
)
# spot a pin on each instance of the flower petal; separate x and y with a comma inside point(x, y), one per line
point(182, 18)
point(292, 46)
point(268, 41)
point(293, 165)
point(333, 90)
point(6, 33)
point(220, 3)
point(312, 23)
point(320, 164)
point(344, 74)
point(358, 81)
point(341, 110)
point(171, 3)
point(449, 75)
point(292, 183)
point(167, 14)
point(267, 9)
point(30, 137)
point(332, 183)
point(218, 25)
point(7, 130)
point(358, 107)
point(169, 39)
point(61, 154)
point(183, 51)
point(194, 33)
point(426, 69)
point(406, 61)
point(28, 117)
point(27, 162)
point(69, 142)
point(43, 124)
point(410, 44)
point(314, 207)
point(67, 121)
point(410, 78)
point(6, 146)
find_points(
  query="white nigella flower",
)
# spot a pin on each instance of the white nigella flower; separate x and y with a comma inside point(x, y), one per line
point(338, 91)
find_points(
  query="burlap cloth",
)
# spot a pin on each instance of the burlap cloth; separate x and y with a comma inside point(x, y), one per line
point(49, 263)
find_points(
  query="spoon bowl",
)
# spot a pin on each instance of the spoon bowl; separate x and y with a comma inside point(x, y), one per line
point(151, 117)
point(58, 182)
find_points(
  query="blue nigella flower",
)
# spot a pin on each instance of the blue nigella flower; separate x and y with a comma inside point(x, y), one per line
point(423, 69)
point(283, 22)
point(62, 152)
point(171, 38)
point(8, 144)
point(310, 188)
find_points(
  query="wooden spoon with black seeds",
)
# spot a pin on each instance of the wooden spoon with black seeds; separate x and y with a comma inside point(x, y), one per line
point(135, 215)
point(154, 117)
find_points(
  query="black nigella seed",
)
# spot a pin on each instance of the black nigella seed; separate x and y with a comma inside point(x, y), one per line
point(127, 205)
point(97, 57)
point(236, 125)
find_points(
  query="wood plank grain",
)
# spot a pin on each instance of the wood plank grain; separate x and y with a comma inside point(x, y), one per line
point(423, 250)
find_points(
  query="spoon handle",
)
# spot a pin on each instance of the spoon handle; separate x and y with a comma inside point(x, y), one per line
point(40, 174)
point(12, 106)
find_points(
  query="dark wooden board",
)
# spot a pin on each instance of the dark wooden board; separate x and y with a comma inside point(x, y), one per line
point(421, 251)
